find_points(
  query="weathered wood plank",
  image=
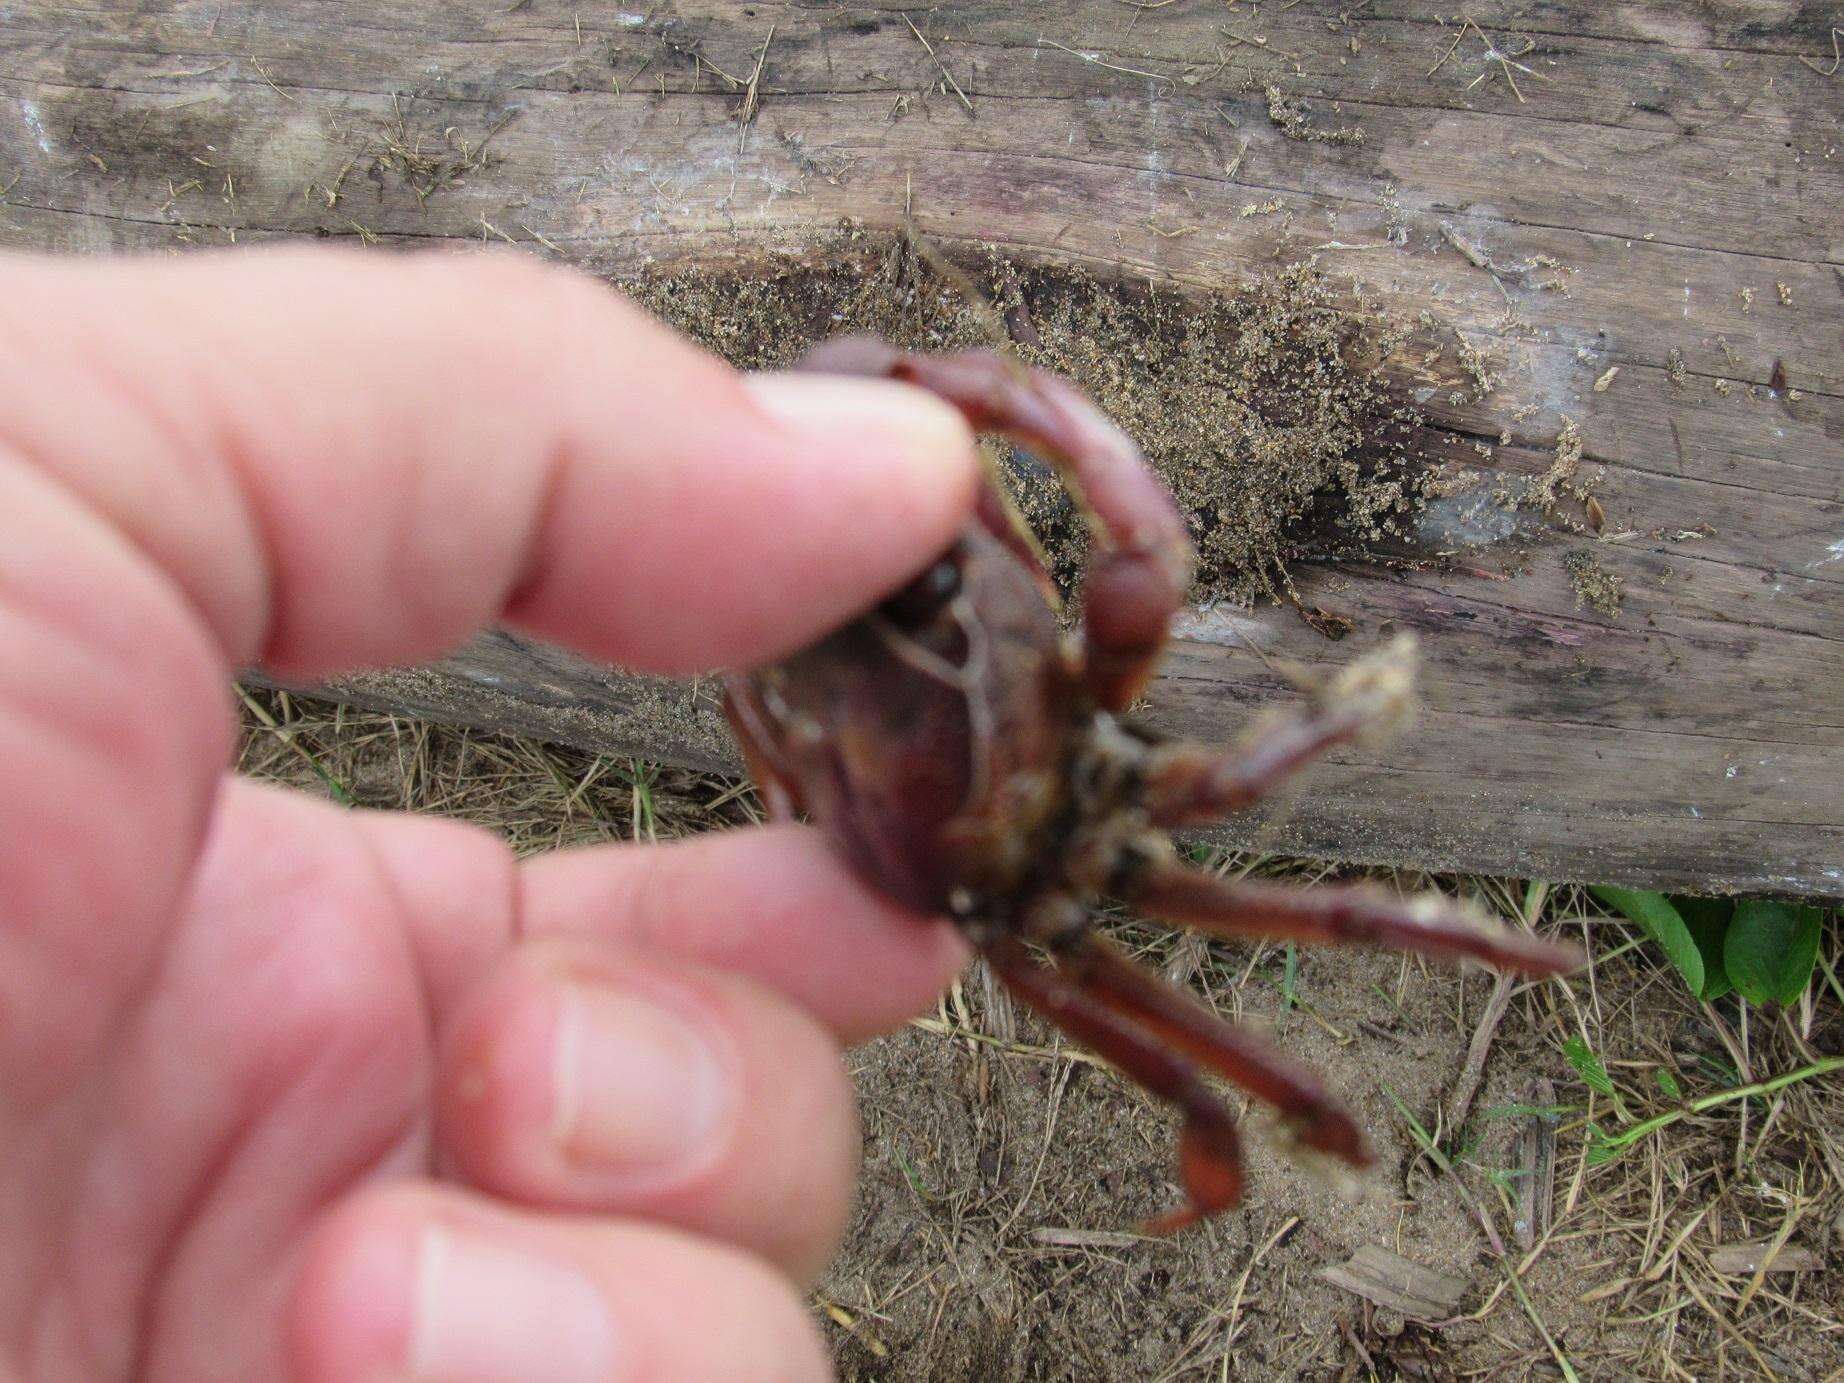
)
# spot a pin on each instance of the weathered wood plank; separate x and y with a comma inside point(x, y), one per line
point(1675, 171)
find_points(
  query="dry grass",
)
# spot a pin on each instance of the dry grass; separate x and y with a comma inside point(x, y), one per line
point(1003, 1170)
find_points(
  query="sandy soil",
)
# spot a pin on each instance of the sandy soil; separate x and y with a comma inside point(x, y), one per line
point(1004, 1171)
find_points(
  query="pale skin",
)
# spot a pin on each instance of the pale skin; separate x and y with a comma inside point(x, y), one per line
point(293, 1091)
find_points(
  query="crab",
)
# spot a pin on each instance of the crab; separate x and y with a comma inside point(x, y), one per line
point(970, 758)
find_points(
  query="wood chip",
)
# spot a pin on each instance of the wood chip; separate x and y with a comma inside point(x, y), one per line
point(1600, 385)
point(1744, 1260)
point(1396, 1284)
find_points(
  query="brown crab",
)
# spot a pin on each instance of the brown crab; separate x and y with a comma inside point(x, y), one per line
point(970, 759)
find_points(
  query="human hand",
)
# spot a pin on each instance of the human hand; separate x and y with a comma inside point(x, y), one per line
point(287, 1090)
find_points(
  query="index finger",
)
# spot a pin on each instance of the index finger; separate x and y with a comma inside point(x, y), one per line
point(348, 459)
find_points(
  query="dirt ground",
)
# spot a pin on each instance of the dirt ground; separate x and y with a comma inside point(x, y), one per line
point(1004, 1171)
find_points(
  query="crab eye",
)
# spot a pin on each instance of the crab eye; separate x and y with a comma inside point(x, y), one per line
point(922, 599)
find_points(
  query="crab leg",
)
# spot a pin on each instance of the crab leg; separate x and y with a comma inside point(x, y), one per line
point(1177, 1018)
point(1141, 565)
point(1189, 783)
point(1209, 1153)
point(1428, 926)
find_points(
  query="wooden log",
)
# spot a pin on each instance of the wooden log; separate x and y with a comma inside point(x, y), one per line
point(1574, 189)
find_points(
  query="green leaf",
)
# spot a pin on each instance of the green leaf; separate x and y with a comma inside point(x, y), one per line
point(1588, 1066)
point(909, 1175)
point(1720, 1070)
point(1506, 1178)
point(1668, 1083)
point(1708, 921)
point(1771, 949)
point(1660, 921)
point(1601, 1147)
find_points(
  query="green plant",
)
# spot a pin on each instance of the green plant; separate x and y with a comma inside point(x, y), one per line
point(1604, 1146)
point(1593, 1073)
point(1759, 948)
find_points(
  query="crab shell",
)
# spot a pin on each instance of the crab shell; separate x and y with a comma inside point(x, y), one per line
point(933, 738)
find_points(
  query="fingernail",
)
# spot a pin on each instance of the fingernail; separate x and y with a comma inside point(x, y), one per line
point(637, 1087)
point(903, 425)
point(488, 1311)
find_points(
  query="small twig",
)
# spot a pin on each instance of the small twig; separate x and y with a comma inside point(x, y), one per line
point(549, 245)
point(1505, 1263)
point(1728, 1328)
point(945, 1029)
point(1255, 41)
point(1452, 48)
point(1475, 256)
point(636, 75)
point(261, 72)
point(1099, 61)
point(1530, 1309)
point(948, 76)
point(1188, 958)
point(700, 59)
point(1837, 58)
point(1479, 259)
point(1357, 1345)
point(1492, 54)
point(1093, 1238)
point(1768, 1255)
point(853, 1327)
point(1491, 51)
point(752, 98)
point(476, 157)
point(1233, 1317)
point(1235, 164)
point(1235, 1304)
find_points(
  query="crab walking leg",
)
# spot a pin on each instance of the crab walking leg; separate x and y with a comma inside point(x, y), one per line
point(1188, 784)
point(1141, 564)
point(1370, 698)
point(1209, 1153)
point(1335, 914)
point(1180, 1020)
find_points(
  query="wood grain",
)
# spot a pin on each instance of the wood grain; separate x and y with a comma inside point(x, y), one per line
point(1674, 169)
